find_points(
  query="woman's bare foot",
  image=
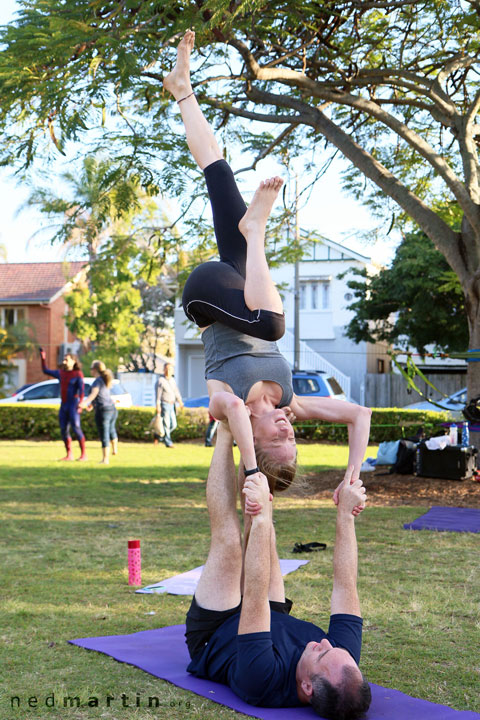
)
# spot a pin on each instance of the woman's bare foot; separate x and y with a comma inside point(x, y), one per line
point(178, 81)
point(258, 212)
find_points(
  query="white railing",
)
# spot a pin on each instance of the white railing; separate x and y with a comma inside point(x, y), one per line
point(311, 360)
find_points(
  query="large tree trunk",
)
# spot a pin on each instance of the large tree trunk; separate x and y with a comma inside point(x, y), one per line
point(472, 296)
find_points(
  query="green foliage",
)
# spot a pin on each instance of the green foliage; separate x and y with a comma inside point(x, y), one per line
point(128, 294)
point(19, 421)
point(92, 69)
point(417, 301)
point(101, 194)
point(386, 424)
point(105, 312)
point(392, 86)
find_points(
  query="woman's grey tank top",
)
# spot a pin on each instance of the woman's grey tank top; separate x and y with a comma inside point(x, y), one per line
point(241, 361)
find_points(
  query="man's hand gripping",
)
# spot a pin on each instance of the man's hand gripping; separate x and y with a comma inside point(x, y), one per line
point(351, 494)
point(257, 495)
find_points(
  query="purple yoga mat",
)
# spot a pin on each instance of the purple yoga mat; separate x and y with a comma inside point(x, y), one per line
point(163, 653)
point(453, 519)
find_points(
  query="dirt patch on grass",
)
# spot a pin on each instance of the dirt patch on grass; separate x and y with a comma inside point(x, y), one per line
point(394, 490)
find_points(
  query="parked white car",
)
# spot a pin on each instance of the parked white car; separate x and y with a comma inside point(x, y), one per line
point(47, 392)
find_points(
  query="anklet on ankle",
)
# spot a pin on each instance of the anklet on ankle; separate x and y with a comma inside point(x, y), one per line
point(186, 96)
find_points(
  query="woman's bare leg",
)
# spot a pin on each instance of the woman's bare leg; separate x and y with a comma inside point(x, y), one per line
point(260, 290)
point(200, 138)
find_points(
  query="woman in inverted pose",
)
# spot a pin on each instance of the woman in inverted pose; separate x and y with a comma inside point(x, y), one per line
point(240, 314)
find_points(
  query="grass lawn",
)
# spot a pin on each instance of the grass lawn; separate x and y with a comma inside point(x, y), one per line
point(64, 537)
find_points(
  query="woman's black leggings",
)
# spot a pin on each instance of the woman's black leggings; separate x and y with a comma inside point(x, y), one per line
point(214, 291)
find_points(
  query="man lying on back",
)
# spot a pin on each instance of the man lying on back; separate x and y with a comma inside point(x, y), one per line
point(248, 640)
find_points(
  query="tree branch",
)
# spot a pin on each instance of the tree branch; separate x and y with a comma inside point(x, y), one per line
point(439, 232)
point(299, 79)
point(457, 62)
point(285, 133)
point(372, 109)
point(262, 117)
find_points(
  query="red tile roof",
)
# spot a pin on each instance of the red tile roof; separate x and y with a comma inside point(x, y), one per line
point(35, 282)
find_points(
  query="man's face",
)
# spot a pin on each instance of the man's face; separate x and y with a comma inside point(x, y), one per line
point(168, 370)
point(68, 362)
point(321, 658)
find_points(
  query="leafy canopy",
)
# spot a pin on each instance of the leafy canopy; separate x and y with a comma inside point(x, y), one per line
point(416, 302)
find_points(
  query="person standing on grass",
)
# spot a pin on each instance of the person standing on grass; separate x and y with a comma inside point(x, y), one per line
point(239, 631)
point(105, 410)
point(70, 377)
point(167, 394)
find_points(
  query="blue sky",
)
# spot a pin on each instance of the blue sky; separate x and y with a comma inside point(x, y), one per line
point(330, 211)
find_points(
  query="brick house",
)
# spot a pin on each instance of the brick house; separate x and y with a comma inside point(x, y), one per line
point(34, 293)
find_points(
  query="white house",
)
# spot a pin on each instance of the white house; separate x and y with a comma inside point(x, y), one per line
point(324, 313)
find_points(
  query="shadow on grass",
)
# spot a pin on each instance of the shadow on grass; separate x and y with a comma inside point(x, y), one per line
point(81, 486)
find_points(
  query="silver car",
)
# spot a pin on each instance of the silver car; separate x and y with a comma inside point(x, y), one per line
point(47, 392)
point(454, 403)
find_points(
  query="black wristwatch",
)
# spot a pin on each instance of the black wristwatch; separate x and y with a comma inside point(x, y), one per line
point(251, 472)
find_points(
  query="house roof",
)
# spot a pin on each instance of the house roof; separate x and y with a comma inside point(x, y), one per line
point(35, 282)
point(336, 251)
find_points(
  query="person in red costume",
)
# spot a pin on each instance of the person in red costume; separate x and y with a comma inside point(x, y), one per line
point(70, 377)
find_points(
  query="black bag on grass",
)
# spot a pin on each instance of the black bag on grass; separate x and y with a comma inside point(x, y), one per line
point(404, 463)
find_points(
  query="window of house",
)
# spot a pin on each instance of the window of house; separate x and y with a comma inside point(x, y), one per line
point(303, 296)
point(325, 295)
point(315, 295)
point(11, 316)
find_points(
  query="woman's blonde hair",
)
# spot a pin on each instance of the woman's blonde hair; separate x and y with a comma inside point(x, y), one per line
point(105, 374)
point(279, 475)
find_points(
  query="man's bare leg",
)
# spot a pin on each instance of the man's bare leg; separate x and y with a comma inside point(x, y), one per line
point(260, 291)
point(219, 584)
point(200, 138)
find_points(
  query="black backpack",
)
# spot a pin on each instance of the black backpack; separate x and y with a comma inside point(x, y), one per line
point(404, 463)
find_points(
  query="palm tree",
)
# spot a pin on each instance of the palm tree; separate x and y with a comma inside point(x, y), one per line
point(103, 196)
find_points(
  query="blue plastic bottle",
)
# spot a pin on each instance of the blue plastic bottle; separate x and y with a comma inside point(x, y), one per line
point(465, 435)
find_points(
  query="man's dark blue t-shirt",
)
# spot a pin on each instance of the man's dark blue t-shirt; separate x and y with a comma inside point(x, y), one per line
point(260, 667)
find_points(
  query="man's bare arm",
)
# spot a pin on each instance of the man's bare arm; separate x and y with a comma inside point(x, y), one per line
point(345, 556)
point(255, 614)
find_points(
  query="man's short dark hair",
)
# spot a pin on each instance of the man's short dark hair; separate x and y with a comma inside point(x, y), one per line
point(348, 701)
